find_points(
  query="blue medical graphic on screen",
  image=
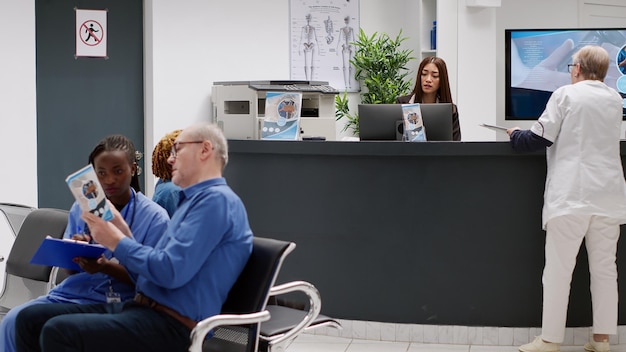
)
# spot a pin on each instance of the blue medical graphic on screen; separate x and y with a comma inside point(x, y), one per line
point(536, 65)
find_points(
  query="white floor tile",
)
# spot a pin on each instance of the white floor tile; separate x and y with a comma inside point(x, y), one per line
point(377, 346)
point(576, 349)
point(415, 347)
point(417, 333)
point(445, 334)
point(373, 331)
point(318, 343)
point(431, 334)
point(475, 335)
point(505, 336)
point(618, 348)
point(359, 329)
point(346, 330)
point(490, 336)
point(568, 340)
point(403, 332)
point(521, 336)
point(312, 339)
point(621, 333)
point(581, 336)
point(493, 349)
point(317, 347)
point(388, 333)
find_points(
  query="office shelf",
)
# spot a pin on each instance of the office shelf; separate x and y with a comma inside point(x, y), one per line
point(428, 14)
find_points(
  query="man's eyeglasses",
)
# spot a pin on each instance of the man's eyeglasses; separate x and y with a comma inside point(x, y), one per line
point(176, 147)
point(569, 67)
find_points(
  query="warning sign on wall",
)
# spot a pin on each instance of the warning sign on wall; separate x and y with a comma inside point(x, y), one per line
point(91, 33)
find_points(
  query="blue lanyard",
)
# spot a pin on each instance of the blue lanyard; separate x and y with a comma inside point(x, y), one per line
point(134, 203)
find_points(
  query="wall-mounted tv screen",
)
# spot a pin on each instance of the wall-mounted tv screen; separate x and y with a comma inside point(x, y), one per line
point(537, 59)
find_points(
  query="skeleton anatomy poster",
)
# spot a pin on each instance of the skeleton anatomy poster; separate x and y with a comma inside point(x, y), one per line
point(322, 33)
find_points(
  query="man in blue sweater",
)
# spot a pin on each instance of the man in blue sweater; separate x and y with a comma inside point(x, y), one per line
point(183, 279)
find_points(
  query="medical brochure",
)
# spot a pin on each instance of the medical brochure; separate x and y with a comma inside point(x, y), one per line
point(413, 125)
point(282, 116)
point(88, 192)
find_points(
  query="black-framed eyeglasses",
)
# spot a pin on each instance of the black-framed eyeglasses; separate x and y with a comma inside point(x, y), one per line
point(176, 147)
point(569, 67)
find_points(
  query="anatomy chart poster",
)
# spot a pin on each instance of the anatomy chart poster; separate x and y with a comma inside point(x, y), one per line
point(322, 33)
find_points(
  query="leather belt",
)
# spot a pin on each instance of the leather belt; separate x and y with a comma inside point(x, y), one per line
point(149, 302)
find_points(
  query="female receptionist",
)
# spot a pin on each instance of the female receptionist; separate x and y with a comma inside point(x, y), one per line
point(432, 86)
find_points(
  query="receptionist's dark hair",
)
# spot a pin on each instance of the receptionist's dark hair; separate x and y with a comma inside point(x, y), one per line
point(444, 94)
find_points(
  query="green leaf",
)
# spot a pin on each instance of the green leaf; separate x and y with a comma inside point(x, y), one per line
point(381, 68)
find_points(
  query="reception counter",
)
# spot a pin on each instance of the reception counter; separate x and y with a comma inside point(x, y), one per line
point(443, 233)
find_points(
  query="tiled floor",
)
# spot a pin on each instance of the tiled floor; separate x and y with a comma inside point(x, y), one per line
point(319, 343)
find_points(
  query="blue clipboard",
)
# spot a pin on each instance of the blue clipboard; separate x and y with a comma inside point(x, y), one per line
point(60, 252)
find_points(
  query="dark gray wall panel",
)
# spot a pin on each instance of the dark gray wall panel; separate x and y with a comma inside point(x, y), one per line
point(80, 101)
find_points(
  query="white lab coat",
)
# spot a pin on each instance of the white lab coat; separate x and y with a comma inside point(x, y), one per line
point(585, 175)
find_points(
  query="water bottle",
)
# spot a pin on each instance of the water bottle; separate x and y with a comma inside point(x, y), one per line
point(433, 36)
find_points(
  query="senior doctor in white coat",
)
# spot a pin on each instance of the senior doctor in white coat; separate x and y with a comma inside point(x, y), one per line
point(585, 195)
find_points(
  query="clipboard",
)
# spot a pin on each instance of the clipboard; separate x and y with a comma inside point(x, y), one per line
point(60, 252)
point(495, 127)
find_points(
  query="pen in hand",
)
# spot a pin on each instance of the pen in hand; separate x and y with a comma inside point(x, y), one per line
point(83, 235)
point(87, 235)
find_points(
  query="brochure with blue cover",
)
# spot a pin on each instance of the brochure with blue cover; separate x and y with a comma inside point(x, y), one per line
point(61, 252)
point(88, 192)
point(414, 130)
point(282, 116)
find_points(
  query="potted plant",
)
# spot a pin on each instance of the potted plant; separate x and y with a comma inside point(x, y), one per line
point(380, 68)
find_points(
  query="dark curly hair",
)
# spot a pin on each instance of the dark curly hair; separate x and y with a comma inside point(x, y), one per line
point(160, 167)
point(117, 142)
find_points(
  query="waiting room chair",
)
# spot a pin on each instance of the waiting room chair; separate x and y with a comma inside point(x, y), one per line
point(11, 218)
point(15, 214)
point(237, 327)
point(286, 323)
point(25, 281)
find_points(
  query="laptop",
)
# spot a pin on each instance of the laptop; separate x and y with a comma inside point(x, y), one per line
point(383, 122)
point(377, 122)
point(437, 121)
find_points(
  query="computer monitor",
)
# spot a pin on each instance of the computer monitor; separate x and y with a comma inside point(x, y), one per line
point(536, 64)
point(377, 122)
point(437, 121)
point(383, 122)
